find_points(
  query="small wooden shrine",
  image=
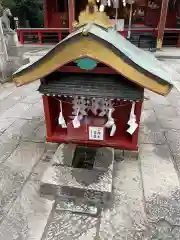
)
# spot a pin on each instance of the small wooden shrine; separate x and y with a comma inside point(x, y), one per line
point(93, 84)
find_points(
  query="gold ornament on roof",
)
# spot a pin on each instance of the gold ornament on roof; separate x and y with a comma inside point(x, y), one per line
point(92, 15)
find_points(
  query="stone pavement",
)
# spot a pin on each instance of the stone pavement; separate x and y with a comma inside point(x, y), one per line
point(146, 192)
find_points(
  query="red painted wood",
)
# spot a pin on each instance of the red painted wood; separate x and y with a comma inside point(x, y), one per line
point(60, 35)
point(98, 70)
point(162, 20)
point(21, 33)
point(71, 14)
point(178, 43)
point(152, 18)
point(45, 13)
point(121, 144)
point(51, 109)
point(21, 38)
point(40, 37)
point(56, 133)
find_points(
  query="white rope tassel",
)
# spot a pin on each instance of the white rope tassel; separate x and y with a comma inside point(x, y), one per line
point(61, 119)
point(111, 123)
point(132, 121)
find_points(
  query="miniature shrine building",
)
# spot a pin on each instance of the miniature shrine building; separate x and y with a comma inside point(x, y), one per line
point(93, 84)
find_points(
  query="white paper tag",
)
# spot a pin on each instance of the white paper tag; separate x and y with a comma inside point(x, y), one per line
point(62, 121)
point(132, 128)
point(96, 133)
point(113, 130)
point(131, 120)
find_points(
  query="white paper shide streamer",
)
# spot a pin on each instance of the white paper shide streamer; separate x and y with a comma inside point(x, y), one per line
point(98, 106)
point(61, 119)
point(76, 122)
point(132, 120)
point(111, 123)
point(79, 111)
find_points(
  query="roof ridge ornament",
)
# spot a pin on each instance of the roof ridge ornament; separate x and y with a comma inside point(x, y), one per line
point(92, 15)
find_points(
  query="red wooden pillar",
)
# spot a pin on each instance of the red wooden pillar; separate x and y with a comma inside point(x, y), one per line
point(162, 23)
point(21, 37)
point(145, 10)
point(178, 43)
point(40, 37)
point(59, 36)
point(45, 13)
point(71, 14)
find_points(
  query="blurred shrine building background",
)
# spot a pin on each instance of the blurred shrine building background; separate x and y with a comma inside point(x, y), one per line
point(147, 23)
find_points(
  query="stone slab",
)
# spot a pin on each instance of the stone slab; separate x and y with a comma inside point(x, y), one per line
point(4, 93)
point(64, 155)
point(104, 159)
point(11, 184)
point(148, 116)
point(158, 100)
point(20, 129)
point(161, 184)
point(25, 156)
point(5, 123)
point(33, 98)
point(76, 205)
point(173, 139)
point(14, 131)
point(147, 105)
point(6, 150)
point(151, 133)
point(130, 154)
point(161, 230)
point(29, 127)
point(118, 155)
point(176, 157)
point(77, 178)
point(170, 123)
point(37, 135)
point(9, 102)
point(166, 112)
point(66, 181)
point(70, 226)
point(35, 111)
point(29, 214)
point(125, 218)
point(17, 111)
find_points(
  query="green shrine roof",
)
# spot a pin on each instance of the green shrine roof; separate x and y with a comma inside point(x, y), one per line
point(135, 64)
point(144, 60)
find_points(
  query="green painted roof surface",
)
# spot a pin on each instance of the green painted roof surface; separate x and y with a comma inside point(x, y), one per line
point(143, 59)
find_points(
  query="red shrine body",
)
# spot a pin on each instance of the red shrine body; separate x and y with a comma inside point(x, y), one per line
point(121, 140)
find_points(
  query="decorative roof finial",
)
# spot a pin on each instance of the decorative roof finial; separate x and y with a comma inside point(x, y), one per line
point(92, 15)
